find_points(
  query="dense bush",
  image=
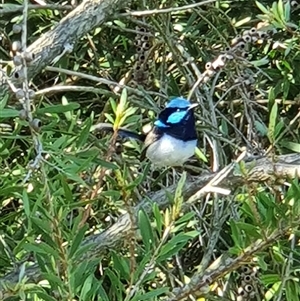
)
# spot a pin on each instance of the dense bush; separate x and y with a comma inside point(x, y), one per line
point(82, 218)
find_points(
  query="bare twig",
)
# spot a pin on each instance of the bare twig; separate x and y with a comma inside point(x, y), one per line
point(104, 81)
point(10, 8)
point(26, 101)
point(166, 10)
point(59, 89)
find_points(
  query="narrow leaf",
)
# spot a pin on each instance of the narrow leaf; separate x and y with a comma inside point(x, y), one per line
point(8, 113)
point(272, 122)
point(59, 108)
point(146, 230)
point(77, 240)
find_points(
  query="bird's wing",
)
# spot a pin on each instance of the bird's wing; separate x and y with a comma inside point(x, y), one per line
point(154, 135)
point(107, 127)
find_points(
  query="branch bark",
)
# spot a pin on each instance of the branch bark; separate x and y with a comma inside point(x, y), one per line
point(88, 15)
point(261, 170)
point(200, 283)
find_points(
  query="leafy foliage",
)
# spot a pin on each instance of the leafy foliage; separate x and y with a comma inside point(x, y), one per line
point(54, 206)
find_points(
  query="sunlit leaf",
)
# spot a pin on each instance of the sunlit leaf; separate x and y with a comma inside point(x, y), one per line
point(272, 123)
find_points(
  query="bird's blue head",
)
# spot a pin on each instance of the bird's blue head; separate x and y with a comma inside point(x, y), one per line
point(177, 119)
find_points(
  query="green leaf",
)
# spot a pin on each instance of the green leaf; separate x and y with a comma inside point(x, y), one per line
point(53, 279)
point(272, 123)
point(295, 147)
point(26, 203)
point(137, 181)
point(42, 224)
point(65, 102)
point(170, 251)
point(10, 190)
point(67, 191)
point(58, 108)
point(121, 264)
point(269, 295)
point(178, 198)
point(8, 113)
point(261, 128)
point(3, 103)
point(236, 234)
point(200, 154)
point(113, 105)
point(291, 291)
point(77, 240)
point(262, 264)
point(41, 248)
point(242, 22)
point(158, 218)
point(271, 97)
point(175, 244)
point(280, 11)
point(151, 295)
point(121, 109)
point(43, 296)
point(185, 218)
point(224, 127)
point(120, 24)
point(146, 230)
point(269, 279)
point(109, 118)
point(278, 128)
point(102, 293)
point(86, 288)
point(261, 62)
point(84, 135)
point(249, 229)
point(81, 271)
point(262, 8)
point(116, 284)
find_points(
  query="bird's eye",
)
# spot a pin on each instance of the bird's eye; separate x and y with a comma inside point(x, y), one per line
point(178, 110)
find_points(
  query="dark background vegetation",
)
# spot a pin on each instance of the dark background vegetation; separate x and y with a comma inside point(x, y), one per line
point(82, 183)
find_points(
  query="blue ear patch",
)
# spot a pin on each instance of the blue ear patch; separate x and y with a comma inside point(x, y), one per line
point(176, 117)
point(160, 124)
point(178, 102)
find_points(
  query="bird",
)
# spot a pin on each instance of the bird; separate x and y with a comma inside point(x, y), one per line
point(173, 138)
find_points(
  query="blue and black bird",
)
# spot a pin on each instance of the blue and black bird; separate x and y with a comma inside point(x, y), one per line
point(173, 137)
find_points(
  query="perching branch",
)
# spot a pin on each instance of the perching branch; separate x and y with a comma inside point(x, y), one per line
point(62, 38)
point(261, 170)
point(200, 283)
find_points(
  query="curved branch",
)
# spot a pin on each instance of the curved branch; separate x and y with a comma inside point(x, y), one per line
point(54, 43)
point(11, 8)
point(260, 170)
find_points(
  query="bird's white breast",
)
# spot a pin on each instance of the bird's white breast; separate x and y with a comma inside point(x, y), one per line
point(169, 151)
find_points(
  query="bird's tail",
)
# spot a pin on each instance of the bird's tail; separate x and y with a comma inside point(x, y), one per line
point(107, 127)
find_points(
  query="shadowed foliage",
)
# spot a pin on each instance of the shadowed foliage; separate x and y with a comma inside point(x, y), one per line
point(82, 218)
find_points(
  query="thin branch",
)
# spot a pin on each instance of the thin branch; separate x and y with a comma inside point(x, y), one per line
point(60, 89)
point(166, 10)
point(104, 81)
point(10, 8)
point(27, 103)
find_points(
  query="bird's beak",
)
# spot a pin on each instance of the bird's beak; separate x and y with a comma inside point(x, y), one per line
point(193, 105)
